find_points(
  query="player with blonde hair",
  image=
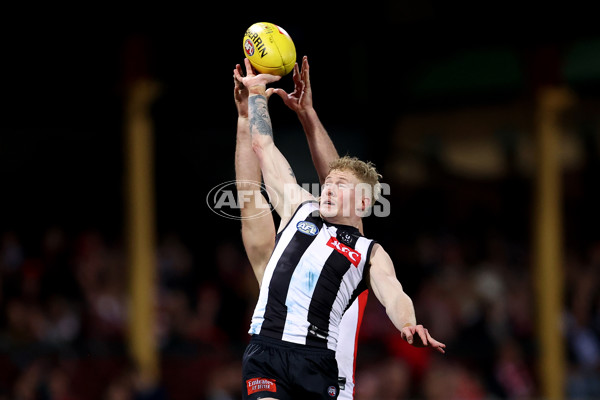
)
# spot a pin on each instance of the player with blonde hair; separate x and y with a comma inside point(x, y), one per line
point(258, 229)
point(319, 265)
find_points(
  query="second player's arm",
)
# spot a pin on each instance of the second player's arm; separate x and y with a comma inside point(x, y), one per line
point(322, 149)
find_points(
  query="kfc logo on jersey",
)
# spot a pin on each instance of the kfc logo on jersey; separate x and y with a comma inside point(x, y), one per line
point(260, 385)
point(352, 255)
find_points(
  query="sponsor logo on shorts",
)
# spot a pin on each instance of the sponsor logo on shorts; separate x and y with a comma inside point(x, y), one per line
point(352, 255)
point(331, 390)
point(308, 228)
point(255, 385)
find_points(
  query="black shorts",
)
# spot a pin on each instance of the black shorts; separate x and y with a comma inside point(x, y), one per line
point(287, 371)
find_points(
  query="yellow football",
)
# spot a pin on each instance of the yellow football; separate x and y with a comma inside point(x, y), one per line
point(269, 48)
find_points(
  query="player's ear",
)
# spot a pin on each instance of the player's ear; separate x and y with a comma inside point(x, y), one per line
point(366, 205)
point(364, 198)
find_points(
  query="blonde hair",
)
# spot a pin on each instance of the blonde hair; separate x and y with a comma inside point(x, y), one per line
point(363, 170)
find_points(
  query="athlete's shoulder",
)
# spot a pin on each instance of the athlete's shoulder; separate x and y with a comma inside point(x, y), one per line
point(308, 209)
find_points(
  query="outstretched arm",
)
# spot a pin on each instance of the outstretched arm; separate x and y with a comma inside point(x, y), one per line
point(278, 176)
point(300, 100)
point(258, 228)
point(398, 305)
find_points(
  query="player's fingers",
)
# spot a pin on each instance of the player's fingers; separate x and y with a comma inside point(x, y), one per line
point(434, 342)
point(269, 92)
point(281, 93)
point(236, 74)
point(272, 78)
point(299, 88)
point(297, 76)
point(429, 337)
point(439, 346)
point(407, 335)
point(249, 70)
point(239, 70)
point(306, 72)
point(422, 334)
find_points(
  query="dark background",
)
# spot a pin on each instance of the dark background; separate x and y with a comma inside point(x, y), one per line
point(64, 82)
point(65, 74)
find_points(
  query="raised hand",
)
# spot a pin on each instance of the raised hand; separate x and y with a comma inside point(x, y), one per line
point(252, 79)
point(301, 98)
point(240, 92)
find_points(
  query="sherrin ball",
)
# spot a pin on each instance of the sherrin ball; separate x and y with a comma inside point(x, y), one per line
point(269, 48)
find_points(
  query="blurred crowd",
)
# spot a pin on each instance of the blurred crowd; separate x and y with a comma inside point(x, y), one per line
point(63, 321)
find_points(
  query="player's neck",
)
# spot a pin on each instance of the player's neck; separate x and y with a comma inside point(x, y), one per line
point(354, 221)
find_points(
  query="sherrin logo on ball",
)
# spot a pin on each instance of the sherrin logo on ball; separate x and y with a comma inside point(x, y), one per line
point(269, 48)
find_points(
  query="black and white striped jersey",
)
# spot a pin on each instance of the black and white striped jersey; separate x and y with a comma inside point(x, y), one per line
point(316, 271)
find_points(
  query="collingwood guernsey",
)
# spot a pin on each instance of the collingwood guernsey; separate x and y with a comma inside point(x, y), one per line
point(316, 271)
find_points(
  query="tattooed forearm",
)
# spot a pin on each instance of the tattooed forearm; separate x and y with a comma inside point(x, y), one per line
point(260, 121)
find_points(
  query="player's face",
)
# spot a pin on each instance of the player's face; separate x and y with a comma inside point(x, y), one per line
point(338, 195)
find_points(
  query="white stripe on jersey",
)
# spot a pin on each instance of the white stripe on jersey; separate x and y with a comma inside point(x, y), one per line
point(302, 287)
point(286, 236)
point(305, 280)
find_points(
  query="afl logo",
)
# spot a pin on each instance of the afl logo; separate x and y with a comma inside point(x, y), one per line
point(308, 228)
point(249, 47)
point(331, 390)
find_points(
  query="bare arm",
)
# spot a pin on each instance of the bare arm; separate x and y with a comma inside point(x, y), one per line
point(398, 305)
point(258, 228)
point(300, 100)
point(279, 178)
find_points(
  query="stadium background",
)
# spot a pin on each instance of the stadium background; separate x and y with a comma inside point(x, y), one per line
point(442, 97)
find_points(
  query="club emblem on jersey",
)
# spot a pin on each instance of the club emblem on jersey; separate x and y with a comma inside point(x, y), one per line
point(308, 228)
point(344, 237)
point(352, 255)
point(331, 390)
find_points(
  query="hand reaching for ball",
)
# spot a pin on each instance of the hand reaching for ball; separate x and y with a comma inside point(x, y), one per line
point(240, 92)
point(301, 98)
point(252, 79)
